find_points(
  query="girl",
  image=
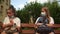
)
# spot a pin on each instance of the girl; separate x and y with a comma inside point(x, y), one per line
point(11, 19)
point(45, 13)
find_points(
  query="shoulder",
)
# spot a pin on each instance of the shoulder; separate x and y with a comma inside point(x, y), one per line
point(38, 17)
point(51, 17)
point(6, 17)
point(16, 18)
point(51, 20)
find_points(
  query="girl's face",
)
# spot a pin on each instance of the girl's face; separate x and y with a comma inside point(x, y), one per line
point(10, 13)
point(43, 12)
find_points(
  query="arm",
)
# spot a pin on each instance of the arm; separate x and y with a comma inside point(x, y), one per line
point(6, 23)
point(51, 22)
point(18, 28)
point(18, 24)
point(37, 23)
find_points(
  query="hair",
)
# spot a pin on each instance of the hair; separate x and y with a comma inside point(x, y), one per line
point(47, 12)
point(11, 7)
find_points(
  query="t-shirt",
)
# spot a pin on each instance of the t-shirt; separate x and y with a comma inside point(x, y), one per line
point(51, 20)
point(15, 20)
point(43, 20)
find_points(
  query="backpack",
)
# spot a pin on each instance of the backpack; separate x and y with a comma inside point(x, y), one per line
point(44, 29)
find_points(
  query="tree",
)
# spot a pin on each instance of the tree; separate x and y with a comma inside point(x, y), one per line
point(54, 9)
point(34, 9)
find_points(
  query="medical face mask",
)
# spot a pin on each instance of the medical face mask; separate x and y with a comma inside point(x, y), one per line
point(43, 14)
point(11, 17)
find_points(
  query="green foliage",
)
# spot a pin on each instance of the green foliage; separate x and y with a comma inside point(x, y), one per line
point(23, 15)
point(34, 9)
point(31, 9)
point(54, 9)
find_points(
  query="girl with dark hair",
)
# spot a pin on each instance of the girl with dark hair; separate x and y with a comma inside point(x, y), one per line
point(45, 18)
point(11, 21)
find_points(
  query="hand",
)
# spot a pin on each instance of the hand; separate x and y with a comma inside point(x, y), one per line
point(49, 24)
point(39, 23)
point(10, 24)
point(18, 28)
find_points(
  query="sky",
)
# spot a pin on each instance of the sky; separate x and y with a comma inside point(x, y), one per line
point(20, 3)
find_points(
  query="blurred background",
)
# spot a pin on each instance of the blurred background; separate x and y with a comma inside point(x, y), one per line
point(29, 10)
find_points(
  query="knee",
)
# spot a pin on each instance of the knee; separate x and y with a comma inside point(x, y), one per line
point(37, 33)
point(15, 33)
point(3, 32)
point(51, 33)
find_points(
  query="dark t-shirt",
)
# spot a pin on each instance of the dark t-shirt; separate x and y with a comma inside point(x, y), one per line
point(43, 20)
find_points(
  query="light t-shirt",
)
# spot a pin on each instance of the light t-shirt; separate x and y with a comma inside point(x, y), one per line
point(15, 20)
point(51, 20)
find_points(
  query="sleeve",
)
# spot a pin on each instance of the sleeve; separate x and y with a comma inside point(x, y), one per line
point(51, 20)
point(37, 20)
point(18, 22)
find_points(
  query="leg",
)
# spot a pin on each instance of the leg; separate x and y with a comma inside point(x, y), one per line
point(51, 33)
point(36, 33)
point(3, 32)
point(15, 33)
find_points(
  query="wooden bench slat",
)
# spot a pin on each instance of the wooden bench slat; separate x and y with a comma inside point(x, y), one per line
point(56, 26)
point(33, 25)
point(57, 31)
point(33, 31)
point(28, 31)
point(28, 25)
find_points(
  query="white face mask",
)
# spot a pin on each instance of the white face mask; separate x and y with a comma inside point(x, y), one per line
point(11, 17)
point(43, 13)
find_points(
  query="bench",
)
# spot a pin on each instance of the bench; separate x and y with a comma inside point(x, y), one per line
point(32, 31)
point(31, 28)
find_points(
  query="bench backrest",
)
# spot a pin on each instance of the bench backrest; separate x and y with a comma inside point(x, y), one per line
point(32, 31)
